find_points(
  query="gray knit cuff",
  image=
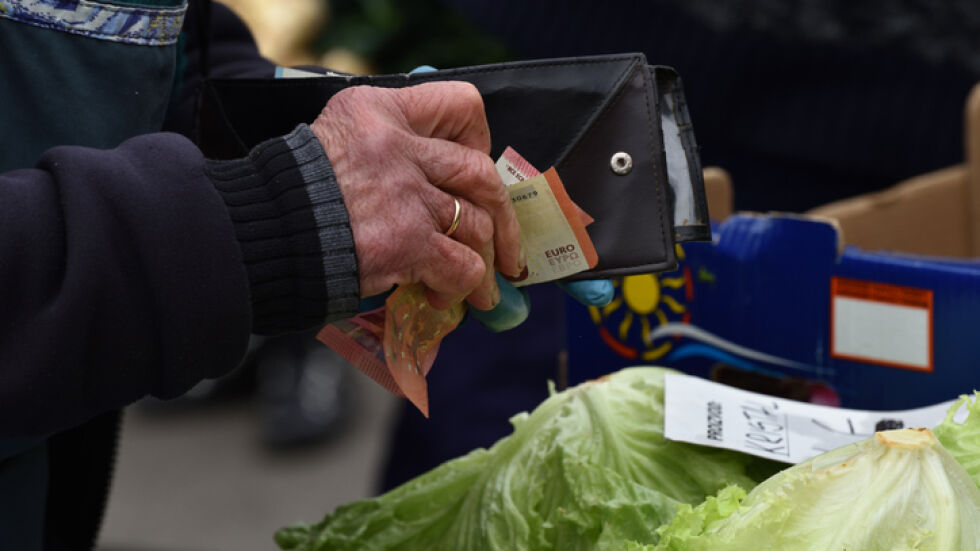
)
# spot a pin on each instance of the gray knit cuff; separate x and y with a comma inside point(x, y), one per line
point(294, 232)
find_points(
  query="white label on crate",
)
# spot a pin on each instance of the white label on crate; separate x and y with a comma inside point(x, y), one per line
point(881, 332)
point(711, 414)
point(881, 323)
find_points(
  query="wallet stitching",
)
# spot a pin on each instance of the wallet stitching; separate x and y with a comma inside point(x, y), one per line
point(594, 118)
point(656, 173)
point(674, 88)
point(659, 266)
point(330, 82)
point(693, 159)
point(690, 145)
point(599, 113)
point(494, 68)
point(319, 81)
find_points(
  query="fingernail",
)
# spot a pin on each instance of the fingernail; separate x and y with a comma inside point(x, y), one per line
point(521, 261)
point(496, 295)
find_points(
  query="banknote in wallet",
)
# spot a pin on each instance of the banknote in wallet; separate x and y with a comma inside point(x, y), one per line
point(552, 226)
point(397, 344)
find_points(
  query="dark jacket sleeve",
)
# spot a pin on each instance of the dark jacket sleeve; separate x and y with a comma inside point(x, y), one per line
point(141, 270)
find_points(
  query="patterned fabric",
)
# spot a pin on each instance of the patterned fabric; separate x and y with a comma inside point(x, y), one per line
point(147, 26)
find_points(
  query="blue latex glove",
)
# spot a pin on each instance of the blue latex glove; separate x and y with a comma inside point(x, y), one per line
point(515, 305)
point(590, 292)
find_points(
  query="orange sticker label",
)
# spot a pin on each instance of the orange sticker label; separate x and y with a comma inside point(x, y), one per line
point(881, 323)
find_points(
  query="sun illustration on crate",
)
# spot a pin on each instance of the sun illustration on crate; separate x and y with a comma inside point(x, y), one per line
point(641, 303)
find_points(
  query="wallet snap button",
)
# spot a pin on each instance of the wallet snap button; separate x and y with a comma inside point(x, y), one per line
point(621, 163)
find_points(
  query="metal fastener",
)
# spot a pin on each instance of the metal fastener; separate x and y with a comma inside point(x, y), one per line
point(621, 163)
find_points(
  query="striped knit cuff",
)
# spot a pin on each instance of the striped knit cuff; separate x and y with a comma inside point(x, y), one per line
point(294, 233)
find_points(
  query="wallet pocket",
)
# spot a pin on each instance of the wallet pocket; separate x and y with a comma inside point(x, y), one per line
point(616, 129)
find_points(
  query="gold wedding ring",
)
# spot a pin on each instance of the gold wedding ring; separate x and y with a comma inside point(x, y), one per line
point(455, 224)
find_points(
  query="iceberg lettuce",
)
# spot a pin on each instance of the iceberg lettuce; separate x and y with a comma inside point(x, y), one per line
point(898, 490)
point(963, 439)
point(587, 469)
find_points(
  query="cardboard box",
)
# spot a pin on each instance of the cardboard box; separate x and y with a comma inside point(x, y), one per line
point(872, 302)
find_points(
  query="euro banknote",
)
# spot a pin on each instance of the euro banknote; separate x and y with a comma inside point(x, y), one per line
point(552, 226)
point(397, 344)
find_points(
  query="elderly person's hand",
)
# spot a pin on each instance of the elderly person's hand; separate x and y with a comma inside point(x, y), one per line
point(401, 157)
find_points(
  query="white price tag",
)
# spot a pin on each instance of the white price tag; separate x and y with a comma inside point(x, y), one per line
point(711, 414)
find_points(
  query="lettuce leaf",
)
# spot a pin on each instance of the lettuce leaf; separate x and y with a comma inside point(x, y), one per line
point(588, 469)
point(963, 439)
point(899, 490)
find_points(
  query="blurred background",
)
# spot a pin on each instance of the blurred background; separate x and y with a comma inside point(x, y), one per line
point(296, 431)
point(801, 101)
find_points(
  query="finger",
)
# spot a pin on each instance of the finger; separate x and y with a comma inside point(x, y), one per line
point(450, 270)
point(447, 110)
point(471, 175)
point(475, 230)
point(513, 309)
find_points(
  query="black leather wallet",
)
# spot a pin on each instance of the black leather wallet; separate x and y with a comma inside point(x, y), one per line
point(616, 129)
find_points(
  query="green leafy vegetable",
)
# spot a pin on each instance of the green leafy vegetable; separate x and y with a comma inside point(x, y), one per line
point(588, 469)
point(963, 440)
point(899, 490)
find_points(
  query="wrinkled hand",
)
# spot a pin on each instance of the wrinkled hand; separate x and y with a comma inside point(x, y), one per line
point(400, 157)
point(515, 306)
